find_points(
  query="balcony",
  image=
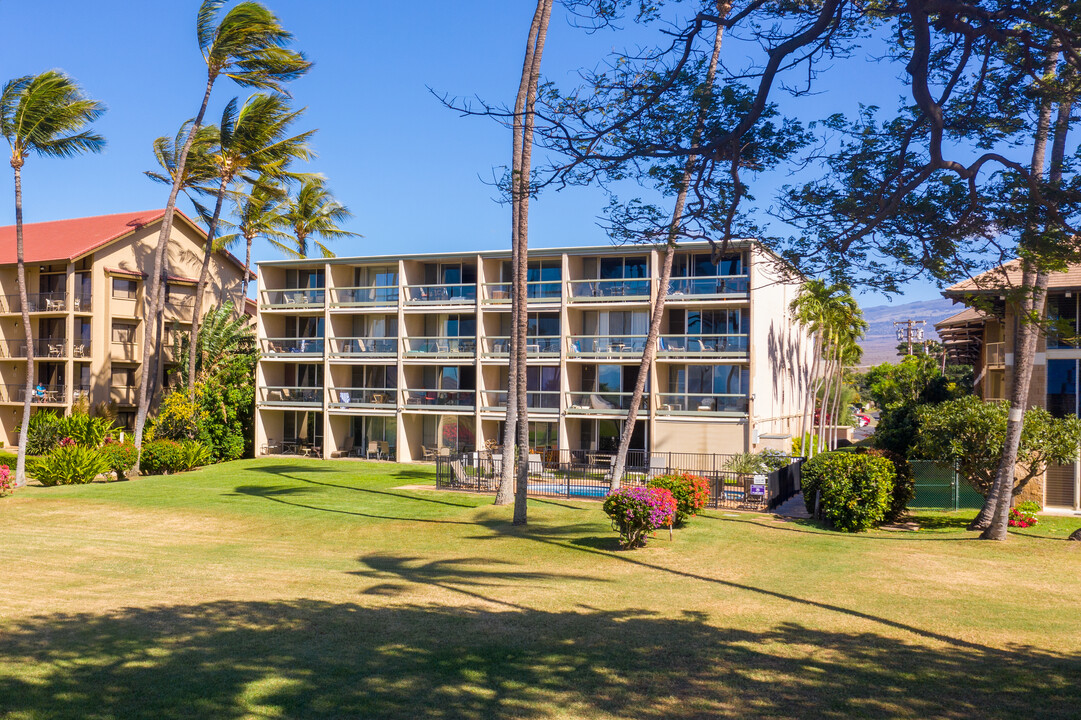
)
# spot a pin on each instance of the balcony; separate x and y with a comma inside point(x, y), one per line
point(124, 351)
point(367, 296)
point(40, 394)
point(701, 404)
point(606, 346)
point(717, 287)
point(44, 348)
point(80, 350)
point(363, 397)
point(292, 299)
point(541, 401)
point(292, 347)
point(124, 394)
point(290, 396)
point(454, 294)
point(441, 399)
point(996, 355)
point(364, 347)
point(603, 403)
point(536, 290)
point(179, 310)
point(699, 346)
point(38, 303)
point(440, 347)
point(536, 346)
point(609, 290)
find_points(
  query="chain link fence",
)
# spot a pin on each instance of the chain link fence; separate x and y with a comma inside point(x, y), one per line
point(941, 488)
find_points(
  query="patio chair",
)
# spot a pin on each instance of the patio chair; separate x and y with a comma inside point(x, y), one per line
point(444, 452)
point(345, 450)
point(384, 449)
point(658, 465)
point(373, 449)
point(56, 350)
point(427, 453)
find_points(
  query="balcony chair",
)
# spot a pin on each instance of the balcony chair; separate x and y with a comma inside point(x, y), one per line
point(373, 449)
point(56, 351)
point(427, 453)
point(706, 404)
point(345, 450)
point(344, 397)
point(384, 449)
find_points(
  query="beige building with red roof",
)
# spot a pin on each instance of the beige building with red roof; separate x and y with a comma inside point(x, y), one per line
point(86, 284)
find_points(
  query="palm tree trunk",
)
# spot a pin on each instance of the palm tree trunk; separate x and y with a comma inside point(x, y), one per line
point(151, 295)
point(20, 270)
point(837, 401)
point(242, 304)
point(200, 287)
point(827, 384)
point(531, 74)
point(806, 427)
point(649, 352)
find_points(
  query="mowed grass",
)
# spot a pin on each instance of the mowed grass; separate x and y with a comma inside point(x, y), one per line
point(304, 588)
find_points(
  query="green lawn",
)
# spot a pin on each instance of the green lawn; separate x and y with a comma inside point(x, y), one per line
point(303, 588)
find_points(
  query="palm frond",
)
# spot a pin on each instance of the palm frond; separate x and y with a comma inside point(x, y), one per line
point(48, 115)
point(249, 45)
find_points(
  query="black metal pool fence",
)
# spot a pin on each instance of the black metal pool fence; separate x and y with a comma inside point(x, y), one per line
point(584, 474)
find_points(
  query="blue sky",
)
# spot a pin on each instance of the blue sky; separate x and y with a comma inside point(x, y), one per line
point(412, 172)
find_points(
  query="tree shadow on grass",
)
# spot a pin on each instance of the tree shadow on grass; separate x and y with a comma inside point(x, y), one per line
point(295, 475)
point(315, 659)
point(284, 495)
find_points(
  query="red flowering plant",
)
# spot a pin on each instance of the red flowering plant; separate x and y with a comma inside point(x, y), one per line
point(67, 442)
point(7, 485)
point(637, 511)
point(691, 493)
point(1024, 515)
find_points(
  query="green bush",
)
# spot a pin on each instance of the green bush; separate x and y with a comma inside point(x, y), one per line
point(691, 493)
point(178, 417)
point(904, 483)
point(773, 459)
point(43, 433)
point(121, 457)
point(69, 465)
point(193, 454)
point(854, 487)
point(169, 456)
point(87, 431)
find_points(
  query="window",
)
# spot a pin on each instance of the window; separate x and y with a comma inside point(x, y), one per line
point(1062, 387)
point(179, 294)
point(124, 333)
point(379, 429)
point(123, 377)
point(1062, 314)
point(706, 322)
point(125, 288)
point(617, 268)
point(304, 427)
point(622, 322)
point(701, 265)
point(457, 432)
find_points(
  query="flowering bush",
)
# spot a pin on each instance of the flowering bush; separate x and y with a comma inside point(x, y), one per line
point(7, 484)
point(121, 457)
point(67, 442)
point(691, 493)
point(638, 511)
point(1024, 515)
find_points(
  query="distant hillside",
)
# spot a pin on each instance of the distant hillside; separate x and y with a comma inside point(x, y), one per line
point(880, 344)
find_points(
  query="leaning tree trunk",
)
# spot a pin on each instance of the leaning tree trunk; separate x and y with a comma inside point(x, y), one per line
point(649, 352)
point(151, 304)
point(242, 306)
point(531, 75)
point(810, 395)
point(827, 384)
point(200, 288)
point(20, 271)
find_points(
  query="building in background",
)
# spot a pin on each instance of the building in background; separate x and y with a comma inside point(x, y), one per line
point(406, 356)
point(86, 281)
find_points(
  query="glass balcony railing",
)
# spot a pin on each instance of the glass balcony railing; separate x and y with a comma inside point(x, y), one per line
point(718, 286)
point(606, 345)
point(536, 346)
point(44, 394)
point(603, 402)
point(363, 397)
point(297, 298)
point(440, 346)
point(699, 403)
point(44, 348)
point(366, 296)
point(459, 399)
point(453, 294)
point(609, 290)
point(300, 347)
point(364, 347)
point(279, 395)
point(539, 400)
point(538, 290)
point(687, 346)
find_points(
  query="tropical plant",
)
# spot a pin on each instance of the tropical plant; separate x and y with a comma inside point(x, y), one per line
point(745, 464)
point(70, 464)
point(1024, 514)
point(120, 456)
point(691, 493)
point(853, 489)
point(42, 432)
point(193, 454)
point(248, 45)
point(178, 417)
point(90, 432)
point(259, 213)
point(47, 115)
point(638, 511)
point(159, 457)
point(7, 483)
point(312, 213)
point(222, 334)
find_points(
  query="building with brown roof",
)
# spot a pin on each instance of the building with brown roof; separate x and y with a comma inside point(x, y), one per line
point(86, 291)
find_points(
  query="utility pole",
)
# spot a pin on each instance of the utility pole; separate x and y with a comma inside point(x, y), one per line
point(909, 331)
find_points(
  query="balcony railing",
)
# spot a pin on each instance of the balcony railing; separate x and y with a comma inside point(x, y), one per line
point(292, 396)
point(538, 400)
point(696, 404)
point(498, 346)
point(453, 294)
point(996, 354)
point(717, 286)
point(82, 303)
point(44, 348)
point(366, 296)
point(36, 302)
point(297, 298)
point(292, 347)
point(440, 346)
point(123, 394)
point(695, 346)
point(363, 397)
point(609, 290)
point(79, 392)
point(364, 347)
point(538, 290)
point(605, 403)
point(80, 350)
point(607, 346)
point(44, 394)
point(457, 399)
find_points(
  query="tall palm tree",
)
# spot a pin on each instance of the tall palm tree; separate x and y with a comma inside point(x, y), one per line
point(313, 213)
point(808, 310)
point(222, 333)
point(260, 212)
point(48, 115)
point(249, 46)
point(253, 141)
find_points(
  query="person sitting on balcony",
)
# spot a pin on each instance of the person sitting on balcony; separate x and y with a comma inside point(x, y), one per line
point(39, 392)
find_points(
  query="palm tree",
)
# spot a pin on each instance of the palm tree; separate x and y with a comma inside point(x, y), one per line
point(223, 332)
point(808, 310)
point(260, 213)
point(253, 141)
point(248, 45)
point(46, 115)
point(313, 213)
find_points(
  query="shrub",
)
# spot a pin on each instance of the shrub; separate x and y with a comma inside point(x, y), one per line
point(690, 492)
point(178, 417)
point(169, 456)
point(904, 483)
point(43, 434)
point(193, 454)
point(638, 511)
point(773, 459)
point(7, 484)
point(69, 465)
point(746, 464)
point(87, 431)
point(121, 457)
point(1024, 515)
point(854, 487)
